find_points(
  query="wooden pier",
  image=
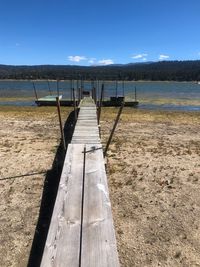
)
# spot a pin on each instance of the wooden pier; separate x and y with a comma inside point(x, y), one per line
point(51, 101)
point(81, 232)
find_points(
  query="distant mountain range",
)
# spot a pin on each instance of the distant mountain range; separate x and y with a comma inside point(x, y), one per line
point(163, 70)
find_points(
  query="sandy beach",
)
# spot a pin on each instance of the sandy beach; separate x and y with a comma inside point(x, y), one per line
point(153, 174)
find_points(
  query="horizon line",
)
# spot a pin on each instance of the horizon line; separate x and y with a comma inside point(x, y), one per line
point(97, 65)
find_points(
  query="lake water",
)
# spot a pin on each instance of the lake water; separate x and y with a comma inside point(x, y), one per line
point(151, 95)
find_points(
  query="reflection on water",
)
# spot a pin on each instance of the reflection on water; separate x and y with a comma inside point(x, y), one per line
point(151, 95)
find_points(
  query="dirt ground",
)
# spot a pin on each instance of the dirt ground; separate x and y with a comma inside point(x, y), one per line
point(154, 180)
point(29, 138)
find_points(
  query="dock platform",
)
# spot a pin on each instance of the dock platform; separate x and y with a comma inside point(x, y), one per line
point(81, 232)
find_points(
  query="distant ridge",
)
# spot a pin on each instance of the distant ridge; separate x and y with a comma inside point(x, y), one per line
point(155, 71)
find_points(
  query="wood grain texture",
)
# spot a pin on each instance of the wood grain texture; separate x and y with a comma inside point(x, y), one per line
point(86, 129)
point(82, 237)
point(63, 241)
point(99, 243)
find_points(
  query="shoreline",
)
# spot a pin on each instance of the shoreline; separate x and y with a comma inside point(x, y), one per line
point(68, 80)
point(148, 106)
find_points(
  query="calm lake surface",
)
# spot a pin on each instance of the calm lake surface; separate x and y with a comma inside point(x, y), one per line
point(151, 95)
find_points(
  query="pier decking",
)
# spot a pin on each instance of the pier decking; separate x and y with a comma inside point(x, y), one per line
point(51, 101)
point(81, 232)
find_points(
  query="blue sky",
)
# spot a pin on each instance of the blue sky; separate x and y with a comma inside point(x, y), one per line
point(98, 32)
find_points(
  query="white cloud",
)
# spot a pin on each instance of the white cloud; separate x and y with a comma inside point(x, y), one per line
point(139, 56)
point(198, 53)
point(17, 44)
point(92, 60)
point(162, 57)
point(105, 62)
point(76, 58)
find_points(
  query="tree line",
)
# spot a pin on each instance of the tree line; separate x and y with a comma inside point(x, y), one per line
point(153, 71)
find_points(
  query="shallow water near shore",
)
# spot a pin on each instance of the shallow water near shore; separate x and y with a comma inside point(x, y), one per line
point(184, 96)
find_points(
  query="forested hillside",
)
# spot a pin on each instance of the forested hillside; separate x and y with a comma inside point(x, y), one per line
point(155, 71)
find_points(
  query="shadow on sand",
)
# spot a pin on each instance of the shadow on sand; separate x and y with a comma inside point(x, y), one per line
point(48, 197)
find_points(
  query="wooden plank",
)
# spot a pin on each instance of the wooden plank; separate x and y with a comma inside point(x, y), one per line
point(85, 123)
point(99, 243)
point(78, 141)
point(86, 137)
point(90, 121)
point(87, 118)
point(86, 129)
point(88, 108)
point(87, 142)
point(87, 112)
point(89, 136)
point(63, 241)
point(84, 133)
point(81, 116)
point(86, 126)
point(95, 132)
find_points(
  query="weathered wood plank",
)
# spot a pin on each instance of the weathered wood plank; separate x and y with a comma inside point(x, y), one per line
point(99, 243)
point(80, 131)
point(87, 120)
point(88, 142)
point(63, 241)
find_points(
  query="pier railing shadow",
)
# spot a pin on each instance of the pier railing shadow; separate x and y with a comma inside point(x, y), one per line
point(49, 196)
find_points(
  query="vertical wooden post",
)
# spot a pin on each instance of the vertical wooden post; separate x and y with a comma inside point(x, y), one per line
point(116, 88)
point(113, 129)
point(36, 96)
point(60, 121)
point(97, 86)
point(95, 95)
point(77, 84)
point(49, 87)
point(80, 94)
point(81, 82)
point(58, 93)
point(123, 88)
point(74, 99)
point(82, 87)
point(92, 92)
point(135, 94)
point(100, 103)
point(71, 96)
point(103, 97)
